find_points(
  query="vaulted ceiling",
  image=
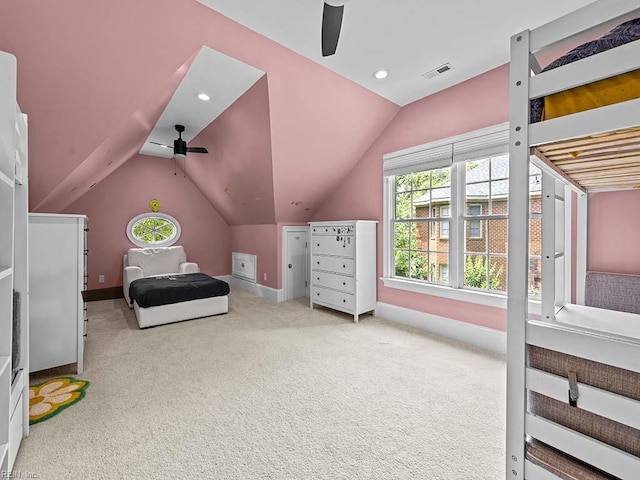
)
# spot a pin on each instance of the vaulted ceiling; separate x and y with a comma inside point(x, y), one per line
point(95, 78)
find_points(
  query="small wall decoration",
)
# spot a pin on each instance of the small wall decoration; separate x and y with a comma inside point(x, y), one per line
point(154, 205)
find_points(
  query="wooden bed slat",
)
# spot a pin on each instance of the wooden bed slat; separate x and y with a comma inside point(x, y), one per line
point(596, 157)
point(602, 161)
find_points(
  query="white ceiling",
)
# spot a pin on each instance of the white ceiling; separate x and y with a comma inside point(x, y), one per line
point(223, 78)
point(407, 37)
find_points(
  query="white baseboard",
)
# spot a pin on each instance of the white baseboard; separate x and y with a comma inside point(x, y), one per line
point(255, 288)
point(483, 337)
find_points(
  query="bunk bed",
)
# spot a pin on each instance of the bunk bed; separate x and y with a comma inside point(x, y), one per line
point(573, 374)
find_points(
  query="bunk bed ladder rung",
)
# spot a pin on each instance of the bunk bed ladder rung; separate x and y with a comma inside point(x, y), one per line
point(591, 16)
point(535, 472)
point(616, 407)
point(600, 455)
point(618, 116)
point(613, 62)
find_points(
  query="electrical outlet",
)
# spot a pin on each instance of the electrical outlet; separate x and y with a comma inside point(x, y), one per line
point(100, 278)
point(265, 276)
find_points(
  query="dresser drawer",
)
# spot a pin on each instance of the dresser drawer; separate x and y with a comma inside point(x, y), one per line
point(331, 280)
point(339, 245)
point(333, 229)
point(333, 264)
point(340, 300)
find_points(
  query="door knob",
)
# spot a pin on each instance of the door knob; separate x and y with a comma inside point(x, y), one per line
point(289, 265)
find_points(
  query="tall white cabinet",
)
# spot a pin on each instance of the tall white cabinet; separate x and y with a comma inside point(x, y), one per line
point(14, 280)
point(57, 274)
point(343, 266)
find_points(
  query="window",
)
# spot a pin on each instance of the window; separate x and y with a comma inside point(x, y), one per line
point(445, 211)
point(444, 273)
point(417, 250)
point(153, 230)
point(459, 187)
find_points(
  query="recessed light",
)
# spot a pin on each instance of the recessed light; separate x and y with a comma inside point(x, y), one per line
point(203, 96)
point(380, 74)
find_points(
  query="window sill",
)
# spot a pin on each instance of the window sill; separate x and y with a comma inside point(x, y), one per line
point(470, 296)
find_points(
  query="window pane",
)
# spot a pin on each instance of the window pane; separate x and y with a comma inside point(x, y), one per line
point(498, 273)
point(421, 180)
point(474, 209)
point(475, 271)
point(419, 236)
point(498, 236)
point(474, 238)
point(166, 230)
point(445, 211)
point(535, 276)
point(403, 183)
point(477, 193)
point(535, 236)
point(159, 237)
point(500, 167)
point(420, 265)
point(444, 229)
point(499, 197)
point(402, 263)
point(441, 177)
point(477, 170)
point(441, 195)
point(403, 205)
point(421, 202)
point(401, 235)
point(443, 274)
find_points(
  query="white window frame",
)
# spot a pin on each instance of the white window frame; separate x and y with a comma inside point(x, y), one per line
point(170, 241)
point(456, 233)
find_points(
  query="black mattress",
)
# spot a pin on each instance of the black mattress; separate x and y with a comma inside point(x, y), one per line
point(168, 289)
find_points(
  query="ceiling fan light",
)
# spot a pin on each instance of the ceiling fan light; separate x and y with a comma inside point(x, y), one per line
point(203, 96)
point(381, 74)
point(179, 155)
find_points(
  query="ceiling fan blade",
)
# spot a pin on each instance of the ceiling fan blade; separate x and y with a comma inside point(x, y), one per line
point(161, 144)
point(197, 150)
point(331, 24)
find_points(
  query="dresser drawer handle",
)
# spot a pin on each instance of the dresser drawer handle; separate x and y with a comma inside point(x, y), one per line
point(318, 263)
point(318, 278)
point(344, 283)
point(344, 266)
point(344, 300)
point(318, 244)
point(318, 294)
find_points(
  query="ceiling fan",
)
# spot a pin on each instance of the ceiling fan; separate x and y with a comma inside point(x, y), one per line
point(180, 148)
point(331, 24)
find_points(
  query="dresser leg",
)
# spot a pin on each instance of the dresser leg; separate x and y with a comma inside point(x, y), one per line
point(355, 319)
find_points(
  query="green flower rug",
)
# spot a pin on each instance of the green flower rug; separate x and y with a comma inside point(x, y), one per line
point(53, 396)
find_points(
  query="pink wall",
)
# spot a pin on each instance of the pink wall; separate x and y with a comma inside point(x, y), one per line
point(476, 103)
point(80, 80)
point(613, 232)
point(262, 241)
point(126, 193)
point(237, 176)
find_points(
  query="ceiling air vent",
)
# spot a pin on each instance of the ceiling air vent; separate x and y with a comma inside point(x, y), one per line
point(437, 71)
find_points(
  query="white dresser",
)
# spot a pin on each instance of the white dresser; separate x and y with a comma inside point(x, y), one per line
point(343, 266)
point(57, 268)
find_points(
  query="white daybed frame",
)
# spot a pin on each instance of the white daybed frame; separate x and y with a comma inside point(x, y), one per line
point(571, 329)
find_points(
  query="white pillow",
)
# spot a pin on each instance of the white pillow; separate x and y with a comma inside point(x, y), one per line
point(157, 260)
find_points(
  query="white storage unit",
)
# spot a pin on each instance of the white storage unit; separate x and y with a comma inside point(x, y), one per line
point(244, 266)
point(343, 266)
point(14, 314)
point(57, 268)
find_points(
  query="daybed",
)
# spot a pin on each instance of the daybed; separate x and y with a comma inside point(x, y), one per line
point(573, 374)
point(162, 287)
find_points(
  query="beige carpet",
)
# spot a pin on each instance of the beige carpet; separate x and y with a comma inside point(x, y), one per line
point(274, 391)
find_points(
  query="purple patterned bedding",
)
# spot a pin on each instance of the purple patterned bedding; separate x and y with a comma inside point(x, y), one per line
point(624, 33)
